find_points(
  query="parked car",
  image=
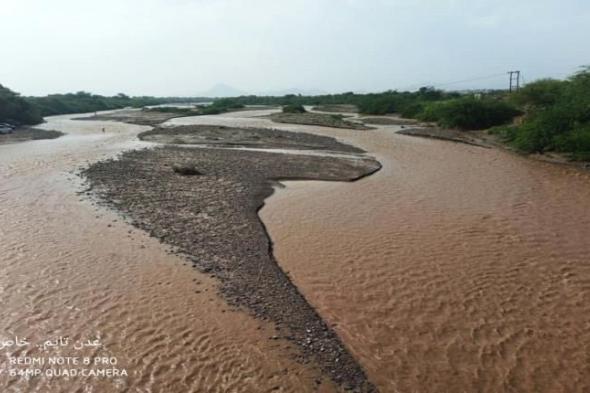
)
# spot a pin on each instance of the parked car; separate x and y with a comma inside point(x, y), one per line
point(6, 128)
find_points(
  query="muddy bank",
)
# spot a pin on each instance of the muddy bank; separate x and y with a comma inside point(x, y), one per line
point(486, 140)
point(317, 119)
point(212, 218)
point(388, 121)
point(245, 137)
point(448, 135)
point(28, 134)
point(136, 116)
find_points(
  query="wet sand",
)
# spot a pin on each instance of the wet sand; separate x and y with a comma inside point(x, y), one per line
point(454, 268)
point(70, 268)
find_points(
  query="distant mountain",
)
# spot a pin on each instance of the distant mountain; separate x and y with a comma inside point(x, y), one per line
point(222, 90)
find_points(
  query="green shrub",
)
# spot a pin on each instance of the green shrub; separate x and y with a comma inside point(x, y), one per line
point(541, 94)
point(577, 140)
point(558, 117)
point(469, 113)
point(293, 108)
point(225, 104)
point(507, 133)
point(531, 138)
point(411, 110)
point(377, 105)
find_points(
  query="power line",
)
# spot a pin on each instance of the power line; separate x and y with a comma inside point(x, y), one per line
point(454, 82)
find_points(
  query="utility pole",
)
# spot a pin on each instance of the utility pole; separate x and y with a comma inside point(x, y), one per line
point(514, 80)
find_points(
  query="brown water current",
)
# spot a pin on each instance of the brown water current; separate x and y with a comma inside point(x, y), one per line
point(453, 269)
point(71, 269)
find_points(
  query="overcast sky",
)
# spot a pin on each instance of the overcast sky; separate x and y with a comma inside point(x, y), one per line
point(184, 47)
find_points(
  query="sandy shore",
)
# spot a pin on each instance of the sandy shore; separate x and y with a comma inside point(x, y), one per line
point(211, 218)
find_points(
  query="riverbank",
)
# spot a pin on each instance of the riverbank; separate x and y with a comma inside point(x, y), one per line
point(220, 232)
point(24, 134)
point(486, 140)
point(318, 119)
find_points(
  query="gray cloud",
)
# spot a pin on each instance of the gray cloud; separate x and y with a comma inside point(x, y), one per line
point(183, 47)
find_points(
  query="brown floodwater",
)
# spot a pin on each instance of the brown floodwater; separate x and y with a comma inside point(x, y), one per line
point(73, 270)
point(453, 269)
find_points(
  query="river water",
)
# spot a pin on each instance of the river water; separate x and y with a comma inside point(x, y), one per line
point(74, 270)
point(453, 269)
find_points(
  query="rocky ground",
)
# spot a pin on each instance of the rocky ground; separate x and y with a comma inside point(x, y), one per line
point(204, 201)
point(28, 134)
point(471, 138)
point(244, 137)
point(318, 119)
point(135, 116)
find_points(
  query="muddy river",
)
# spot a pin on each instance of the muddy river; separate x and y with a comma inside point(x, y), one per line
point(75, 271)
point(453, 269)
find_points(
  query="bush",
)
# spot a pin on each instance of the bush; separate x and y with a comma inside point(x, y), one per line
point(469, 113)
point(506, 133)
point(377, 105)
point(411, 110)
point(577, 140)
point(225, 104)
point(540, 94)
point(293, 108)
point(558, 117)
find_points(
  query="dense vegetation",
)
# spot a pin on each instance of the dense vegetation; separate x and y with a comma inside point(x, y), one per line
point(18, 110)
point(221, 105)
point(81, 102)
point(449, 109)
point(557, 117)
point(15, 109)
point(468, 113)
point(374, 103)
